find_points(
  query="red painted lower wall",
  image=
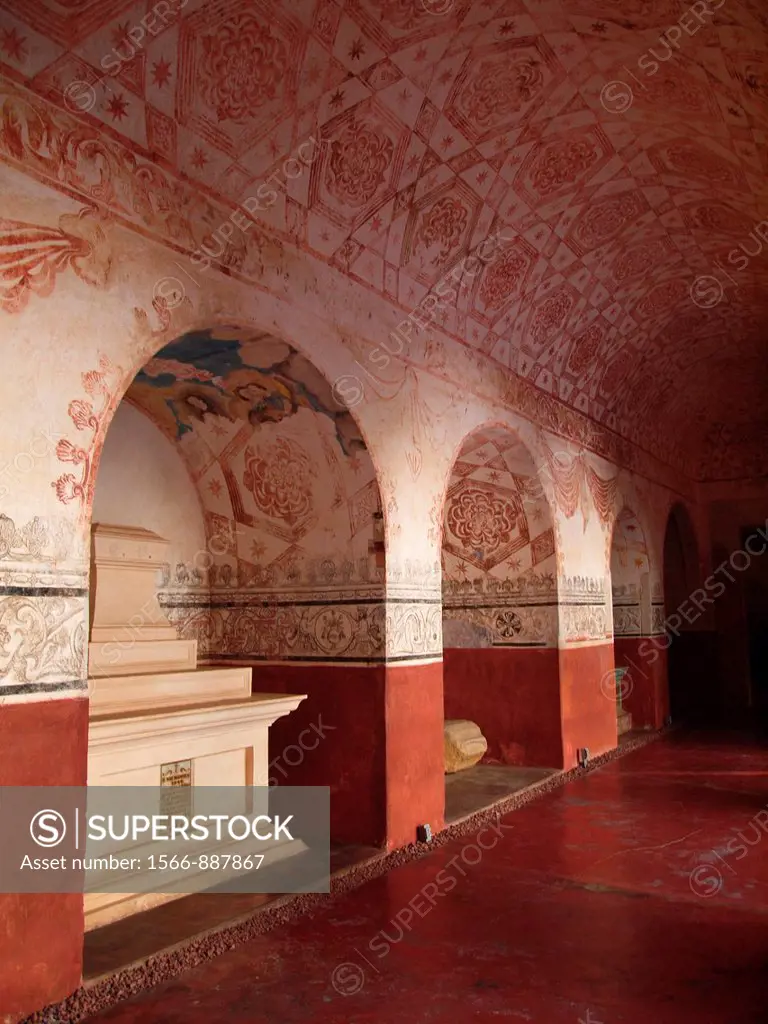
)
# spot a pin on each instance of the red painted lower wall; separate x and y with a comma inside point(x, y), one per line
point(41, 936)
point(374, 735)
point(513, 694)
point(415, 753)
point(335, 738)
point(646, 692)
point(588, 710)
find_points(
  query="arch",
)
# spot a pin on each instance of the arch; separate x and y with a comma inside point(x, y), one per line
point(495, 427)
point(497, 534)
point(690, 666)
point(681, 557)
point(115, 381)
point(630, 568)
point(291, 583)
point(204, 391)
point(168, 344)
point(640, 683)
point(500, 606)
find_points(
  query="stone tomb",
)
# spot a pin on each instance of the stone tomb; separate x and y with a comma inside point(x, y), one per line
point(155, 718)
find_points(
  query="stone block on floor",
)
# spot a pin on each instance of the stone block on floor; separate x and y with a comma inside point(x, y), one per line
point(465, 745)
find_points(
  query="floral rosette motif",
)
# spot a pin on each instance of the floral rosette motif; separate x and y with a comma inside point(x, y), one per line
point(243, 67)
point(480, 521)
point(358, 163)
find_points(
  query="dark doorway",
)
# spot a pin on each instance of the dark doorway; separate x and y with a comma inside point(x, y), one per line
point(691, 671)
point(756, 612)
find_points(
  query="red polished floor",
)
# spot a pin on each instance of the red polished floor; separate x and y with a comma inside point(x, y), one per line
point(635, 895)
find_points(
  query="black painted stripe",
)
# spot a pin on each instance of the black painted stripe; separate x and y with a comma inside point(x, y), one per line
point(549, 603)
point(512, 644)
point(214, 659)
point(635, 636)
point(43, 591)
point(260, 603)
point(511, 603)
point(11, 690)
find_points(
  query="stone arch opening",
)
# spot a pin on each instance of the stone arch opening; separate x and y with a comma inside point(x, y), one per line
point(639, 664)
point(688, 656)
point(500, 611)
point(681, 558)
point(232, 441)
point(746, 693)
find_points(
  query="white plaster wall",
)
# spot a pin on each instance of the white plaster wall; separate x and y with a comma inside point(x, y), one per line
point(142, 481)
point(84, 346)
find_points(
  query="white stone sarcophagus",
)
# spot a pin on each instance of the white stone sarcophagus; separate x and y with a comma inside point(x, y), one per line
point(155, 718)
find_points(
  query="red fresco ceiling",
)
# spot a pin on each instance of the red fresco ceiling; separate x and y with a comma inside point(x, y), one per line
point(618, 147)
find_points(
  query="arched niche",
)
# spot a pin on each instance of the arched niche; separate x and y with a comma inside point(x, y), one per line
point(697, 620)
point(630, 576)
point(500, 607)
point(230, 443)
point(287, 488)
point(681, 558)
point(635, 683)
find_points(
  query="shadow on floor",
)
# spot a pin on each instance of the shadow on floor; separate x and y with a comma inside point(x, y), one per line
point(474, 789)
point(113, 947)
point(135, 939)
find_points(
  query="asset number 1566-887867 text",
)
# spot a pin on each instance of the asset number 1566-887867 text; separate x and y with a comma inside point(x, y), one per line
point(205, 862)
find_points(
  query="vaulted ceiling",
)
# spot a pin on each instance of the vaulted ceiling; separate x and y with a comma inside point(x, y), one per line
point(615, 148)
